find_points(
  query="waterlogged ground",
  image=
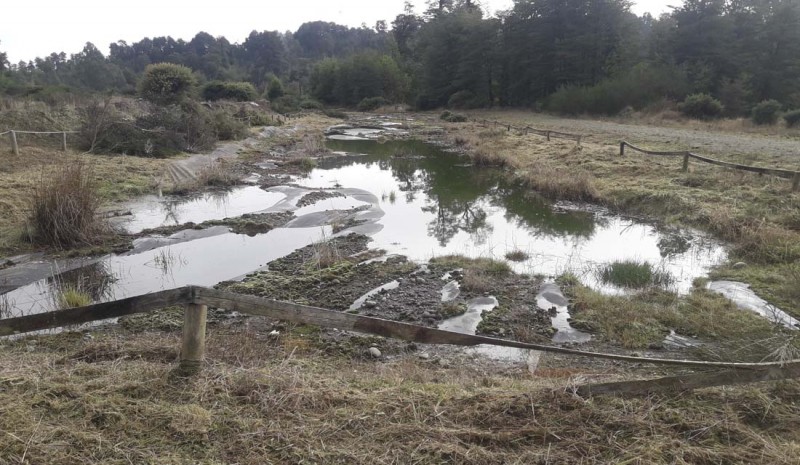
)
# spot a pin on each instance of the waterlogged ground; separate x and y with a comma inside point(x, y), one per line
point(415, 202)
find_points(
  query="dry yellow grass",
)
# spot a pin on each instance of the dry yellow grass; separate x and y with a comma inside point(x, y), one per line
point(116, 400)
point(118, 178)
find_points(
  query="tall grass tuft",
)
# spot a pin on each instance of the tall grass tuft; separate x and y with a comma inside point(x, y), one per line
point(634, 274)
point(64, 207)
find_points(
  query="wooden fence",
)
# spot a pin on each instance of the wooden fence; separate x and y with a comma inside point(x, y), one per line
point(794, 176)
point(529, 130)
point(12, 135)
point(197, 300)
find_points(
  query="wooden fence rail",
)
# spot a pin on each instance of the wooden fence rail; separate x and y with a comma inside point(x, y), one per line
point(15, 143)
point(198, 299)
point(794, 176)
point(527, 129)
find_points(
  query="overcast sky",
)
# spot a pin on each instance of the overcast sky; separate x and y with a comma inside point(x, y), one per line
point(31, 28)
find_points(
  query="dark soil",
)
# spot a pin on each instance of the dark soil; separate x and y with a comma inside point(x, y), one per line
point(314, 197)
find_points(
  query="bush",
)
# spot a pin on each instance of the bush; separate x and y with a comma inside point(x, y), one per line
point(237, 91)
point(464, 99)
point(766, 112)
point(638, 88)
point(701, 106)
point(792, 118)
point(452, 117)
point(64, 208)
point(227, 127)
point(309, 104)
point(275, 88)
point(162, 131)
point(371, 103)
point(285, 104)
point(166, 83)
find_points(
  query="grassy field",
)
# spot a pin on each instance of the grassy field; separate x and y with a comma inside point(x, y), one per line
point(116, 400)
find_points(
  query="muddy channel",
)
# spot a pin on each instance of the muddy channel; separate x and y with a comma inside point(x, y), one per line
point(372, 229)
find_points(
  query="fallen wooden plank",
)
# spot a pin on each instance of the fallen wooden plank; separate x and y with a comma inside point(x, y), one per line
point(787, 174)
point(693, 381)
point(96, 312)
point(333, 319)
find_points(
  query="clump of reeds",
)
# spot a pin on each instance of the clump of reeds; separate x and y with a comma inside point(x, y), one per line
point(64, 208)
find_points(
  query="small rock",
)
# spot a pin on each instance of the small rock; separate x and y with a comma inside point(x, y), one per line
point(274, 333)
point(375, 352)
point(636, 354)
point(87, 337)
point(424, 356)
point(444, 363)
point(370, 304)
point(501, 332)
point(739, 265)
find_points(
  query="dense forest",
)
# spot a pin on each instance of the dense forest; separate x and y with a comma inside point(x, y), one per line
point(568, 56)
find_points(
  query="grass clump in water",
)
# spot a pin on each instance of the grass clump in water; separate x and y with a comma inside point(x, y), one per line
point(72, 297)
point(634, 274)
point(517, 256)
point(305, 163)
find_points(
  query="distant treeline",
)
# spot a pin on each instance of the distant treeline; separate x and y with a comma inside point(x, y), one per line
point(571, 56)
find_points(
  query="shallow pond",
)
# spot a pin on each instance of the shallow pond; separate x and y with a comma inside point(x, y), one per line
point(413, 199)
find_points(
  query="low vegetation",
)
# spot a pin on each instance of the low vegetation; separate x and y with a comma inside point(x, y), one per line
point(279, 399)
point(701, 106)
point(64, 208)
point(634, 274)
point(645, 319)
point(766, 112)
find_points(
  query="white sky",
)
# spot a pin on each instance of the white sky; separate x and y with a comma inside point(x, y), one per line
point(31, 28)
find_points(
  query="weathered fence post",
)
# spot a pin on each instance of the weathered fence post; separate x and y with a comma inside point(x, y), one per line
point(14, 145)
point(580, 138)
point(548, 136)
point(686, 162)
point(194, 338)
point(622, 148)
point(796, 182)
point(64, 141)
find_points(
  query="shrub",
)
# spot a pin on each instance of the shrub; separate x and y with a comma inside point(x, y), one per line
point(226, 127)
point(166, 83)
point(309, 104)
point(701, 106)
point(465, 99)
point(64, 208)
point(451, 117)
point(766, 112)
point(335, 114)
point(371, 103)
point(237, 91)
point(792, 118)
point(285, 104)
point(638, 88)
point(275, 88)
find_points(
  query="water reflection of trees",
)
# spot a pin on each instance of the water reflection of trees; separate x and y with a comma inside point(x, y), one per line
point(458, 196)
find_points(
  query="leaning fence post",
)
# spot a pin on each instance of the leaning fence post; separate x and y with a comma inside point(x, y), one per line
point(14, 145)
point(64, 141)
point(622, 148)
point(686, 162)
point(194, 338)
point(548, 136)
point(796, 182)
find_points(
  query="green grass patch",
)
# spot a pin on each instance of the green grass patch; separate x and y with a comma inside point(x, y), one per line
point(634, 274)
point(644, 319)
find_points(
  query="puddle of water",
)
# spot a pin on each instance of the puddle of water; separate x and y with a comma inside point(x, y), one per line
point(431, 207)
point(745, 298)
point(204, 262)
point(674, 339)
point(451, 291)
point(550, 296)
point(360, 301)
point(153, 212)
point(468, 322)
